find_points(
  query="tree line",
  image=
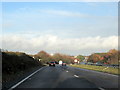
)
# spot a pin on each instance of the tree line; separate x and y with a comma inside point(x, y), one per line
point(110, 57)
point(45, 57)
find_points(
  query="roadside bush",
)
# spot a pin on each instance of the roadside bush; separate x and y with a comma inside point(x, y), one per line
point(14, 62)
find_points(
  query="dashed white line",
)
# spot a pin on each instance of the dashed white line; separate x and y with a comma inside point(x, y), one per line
point(76, 76)
point(101, 88)
point(24, 79)
point(67, 71)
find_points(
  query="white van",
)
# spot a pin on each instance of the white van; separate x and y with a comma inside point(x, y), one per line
point(60, 62)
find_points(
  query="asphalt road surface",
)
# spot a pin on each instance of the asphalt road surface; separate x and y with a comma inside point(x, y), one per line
point(69, 77)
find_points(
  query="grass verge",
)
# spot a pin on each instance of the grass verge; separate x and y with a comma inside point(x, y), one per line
point(99, 68)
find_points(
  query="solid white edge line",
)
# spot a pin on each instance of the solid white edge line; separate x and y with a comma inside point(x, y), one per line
point(24, 79)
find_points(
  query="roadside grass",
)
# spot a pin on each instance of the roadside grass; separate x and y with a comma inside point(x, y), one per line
point(99, 68)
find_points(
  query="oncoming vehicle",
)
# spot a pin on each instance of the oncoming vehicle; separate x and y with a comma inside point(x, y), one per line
point(63, 64)
point(52, 64)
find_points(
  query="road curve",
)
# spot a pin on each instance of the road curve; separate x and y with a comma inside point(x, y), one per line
point(68, 77)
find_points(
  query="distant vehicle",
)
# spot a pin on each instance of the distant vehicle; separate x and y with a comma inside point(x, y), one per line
point(90, 63)
point(52, 64)
point(56, 62)
point(60, 62)
point(63, 64)
point(114, 65)
point(98, 64)
point(83, 63)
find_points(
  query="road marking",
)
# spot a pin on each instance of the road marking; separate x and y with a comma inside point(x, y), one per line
point(76, 76)
point(101, 88)
point(67, 71)
point(24, 79)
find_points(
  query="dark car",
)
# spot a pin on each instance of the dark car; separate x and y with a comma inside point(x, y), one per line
point(52, 64)
point(56, 62)
point(63, 64)
point(90, 63)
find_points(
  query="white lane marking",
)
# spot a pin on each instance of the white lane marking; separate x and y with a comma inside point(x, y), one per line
point(67, 71)
point(101, 88)
point(76, 76)
point(24, 79)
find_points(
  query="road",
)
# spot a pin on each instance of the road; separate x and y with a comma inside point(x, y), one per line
point(69, 77)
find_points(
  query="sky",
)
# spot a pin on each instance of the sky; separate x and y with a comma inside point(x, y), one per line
point(70, 28)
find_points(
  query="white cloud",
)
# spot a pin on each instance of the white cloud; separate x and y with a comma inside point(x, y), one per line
point(53, 43)
point(64, 13)
point(60, 0)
